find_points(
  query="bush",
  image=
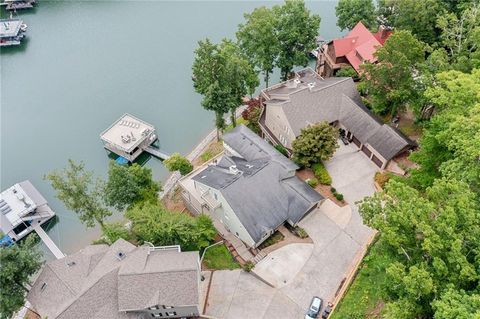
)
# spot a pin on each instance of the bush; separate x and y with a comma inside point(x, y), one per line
point(176, 162)
point(301, 232)
point(339, 196)
point(252, 114)
point(248, 267)
point(281, 149)
point(347, 72)
point(382, 178)
point(114, 231)
point(333, 190)
point(321, 174)
point(313, 182)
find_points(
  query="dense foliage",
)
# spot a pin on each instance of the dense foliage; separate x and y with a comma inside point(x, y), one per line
point(321, 174)
point(176, 162)
point(17, 264)
point(315, 143)
point(350, 12)
point(252, 114)
point(157, 225)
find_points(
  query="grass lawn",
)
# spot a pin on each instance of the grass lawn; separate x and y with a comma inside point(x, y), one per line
point(365, 297)
point(213, 150)
point(218, 257)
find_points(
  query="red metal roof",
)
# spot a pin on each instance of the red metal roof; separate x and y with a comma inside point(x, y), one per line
point(360, 44)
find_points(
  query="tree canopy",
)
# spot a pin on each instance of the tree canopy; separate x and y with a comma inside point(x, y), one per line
point(350, 12)
point(176, 162)
point(437, 238)
point(316, 143)
point(80, 192)
point(297, 30)
point(155, 224)
point(17, 264)
point(127, 185)
point(390, 82)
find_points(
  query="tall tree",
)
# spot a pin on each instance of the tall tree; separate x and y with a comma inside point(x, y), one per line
point(128, 185)
point(176, 162)
point(297, 30)
point(437, 238)
point(316, 143)
point(391, 82)
point(80, 192)
point(258, 40)
point(17, 264)
point(419, 17)
point(350, 12)
point(461, 37)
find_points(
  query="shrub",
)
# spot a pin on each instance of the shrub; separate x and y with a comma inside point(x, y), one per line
point(208, 155)
point(382, 178)
point(301, 232)
point(114, 231)
point(252, 114)
point(333, 190)
point(281, 149)
point(347, 72)
point(248, 267)
point(339, 196)
point(321, 174)
point(312, 182)
point(176, 162)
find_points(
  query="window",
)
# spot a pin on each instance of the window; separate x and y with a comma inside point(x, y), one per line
point(154, 308)
point(171, 314)
point(215, 196)
point(167, 307)
point(157, 315)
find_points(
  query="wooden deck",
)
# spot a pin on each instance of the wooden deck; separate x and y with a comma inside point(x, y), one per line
point(49, 242)
point(156, 152)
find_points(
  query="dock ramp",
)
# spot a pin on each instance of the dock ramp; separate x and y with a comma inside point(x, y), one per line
point(157, 153)
point(49, 242)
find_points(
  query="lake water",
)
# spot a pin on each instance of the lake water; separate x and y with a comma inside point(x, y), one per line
point(85, 63)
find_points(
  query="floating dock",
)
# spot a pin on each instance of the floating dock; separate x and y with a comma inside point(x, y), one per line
point(23, 210)
point(129, 137)
point(14, 5)
point(12, 31)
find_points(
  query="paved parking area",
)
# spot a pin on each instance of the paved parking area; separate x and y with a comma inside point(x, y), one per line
point(352, 172)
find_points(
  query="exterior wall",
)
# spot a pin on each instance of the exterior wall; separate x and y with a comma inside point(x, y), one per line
point(226, 216)
point(174, 312)
point(276, 121)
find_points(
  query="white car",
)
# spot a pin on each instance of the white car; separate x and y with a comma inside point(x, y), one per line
point(314, 308)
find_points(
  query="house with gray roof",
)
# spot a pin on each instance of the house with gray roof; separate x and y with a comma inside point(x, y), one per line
point(119, 281)
point(251, 188)
point(308, 99)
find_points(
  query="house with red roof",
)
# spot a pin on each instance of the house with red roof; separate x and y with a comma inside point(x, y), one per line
point(357, 47)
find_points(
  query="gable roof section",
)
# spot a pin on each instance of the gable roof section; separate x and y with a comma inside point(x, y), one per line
point(263, 194)
point(337, 99)
point(94, 283)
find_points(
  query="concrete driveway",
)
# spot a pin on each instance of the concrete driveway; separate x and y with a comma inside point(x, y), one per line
point(352, 172)
point(295, 272)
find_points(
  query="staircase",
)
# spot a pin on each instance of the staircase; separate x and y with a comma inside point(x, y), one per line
point(258, 257)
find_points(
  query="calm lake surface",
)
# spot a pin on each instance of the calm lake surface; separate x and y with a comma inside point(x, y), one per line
point(85, 63)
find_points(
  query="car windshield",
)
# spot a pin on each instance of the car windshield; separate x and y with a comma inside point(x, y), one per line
point(311, 313)
point(313, 308)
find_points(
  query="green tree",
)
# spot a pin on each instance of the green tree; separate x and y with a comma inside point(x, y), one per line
point(457, 304)
point(128, 185)
point(460, 35)
point(350, 12)
point(418, 17)
point(176, 162)
point(297, 30)
point(80, 192)
point(17, 264)
point(114, 231)
point(315, 143)
point(436, 235)
point(390, 82)
point(155, 224)
point(257, 39)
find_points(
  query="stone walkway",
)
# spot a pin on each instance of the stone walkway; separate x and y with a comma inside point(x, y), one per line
point(237, 244)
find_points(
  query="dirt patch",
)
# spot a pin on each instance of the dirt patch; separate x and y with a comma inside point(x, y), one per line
point(377, 311)
point(173, 201)
point(212, 150)
point(324, 190)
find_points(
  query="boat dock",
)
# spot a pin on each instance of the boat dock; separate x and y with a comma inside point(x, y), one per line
point(12, 31)
point(14, 5)
point(157, 153)
point(23, 210)
point(129, 137)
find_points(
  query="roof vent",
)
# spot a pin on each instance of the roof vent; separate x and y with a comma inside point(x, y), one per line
point(311, 85)
point(72, 263)
point(120, 255)
point(233, 169)
point(297, 81)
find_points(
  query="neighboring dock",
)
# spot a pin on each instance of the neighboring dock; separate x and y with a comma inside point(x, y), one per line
point(23, 210)
point(13, 5)
point(129, 137)
point(12, 31)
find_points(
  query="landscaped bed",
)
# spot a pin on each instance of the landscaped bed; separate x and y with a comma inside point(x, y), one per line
point(365, 297)
point(218, 257)
point(276, 237)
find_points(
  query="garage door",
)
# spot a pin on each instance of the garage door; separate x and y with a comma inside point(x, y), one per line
point(366, 151)
point(377, 161)
point(356, 141)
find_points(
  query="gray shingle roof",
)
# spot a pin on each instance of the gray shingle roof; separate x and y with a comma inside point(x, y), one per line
point(94, 283)
point(336, 99)
point(263, 194)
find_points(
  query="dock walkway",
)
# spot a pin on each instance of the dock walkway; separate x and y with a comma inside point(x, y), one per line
point(49, 242)
point(156, 152)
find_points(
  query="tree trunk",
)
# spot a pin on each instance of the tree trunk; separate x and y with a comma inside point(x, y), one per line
point(101, 223)
point(233, 117)
point(219, 123)
point(267, 76)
